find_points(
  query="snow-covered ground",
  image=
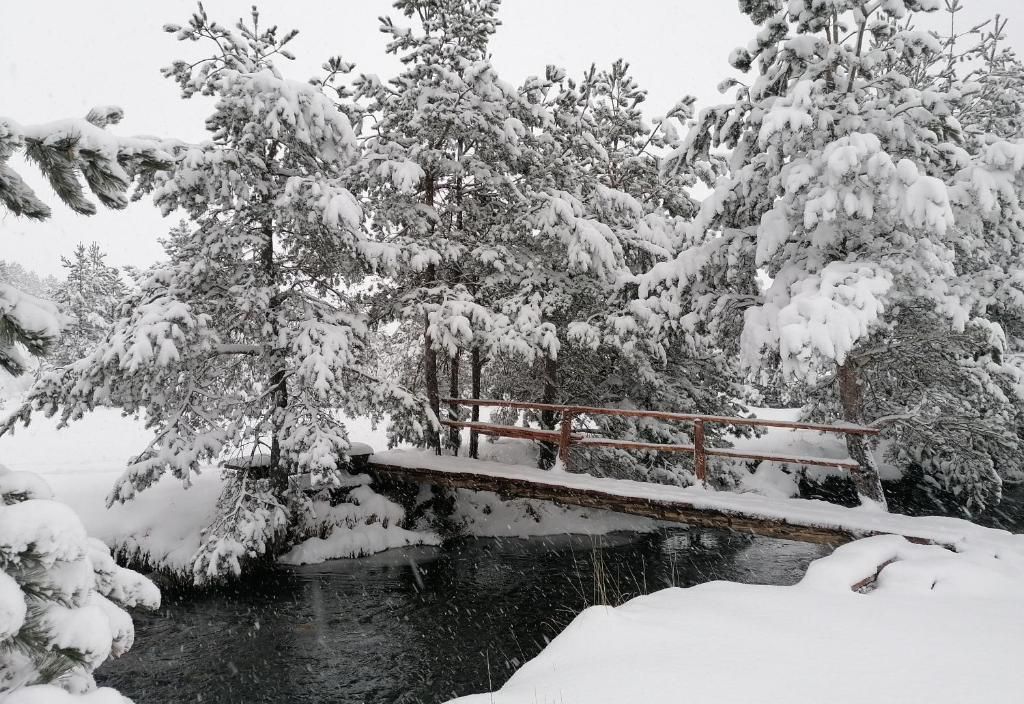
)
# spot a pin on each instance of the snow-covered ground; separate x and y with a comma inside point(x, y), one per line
point(938, 627)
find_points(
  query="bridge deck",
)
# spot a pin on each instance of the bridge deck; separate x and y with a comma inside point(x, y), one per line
point(792, 519)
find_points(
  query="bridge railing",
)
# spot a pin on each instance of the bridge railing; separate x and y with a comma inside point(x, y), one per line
point(566, 439)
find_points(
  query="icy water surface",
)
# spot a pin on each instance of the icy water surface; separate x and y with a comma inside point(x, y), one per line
point(419, 626)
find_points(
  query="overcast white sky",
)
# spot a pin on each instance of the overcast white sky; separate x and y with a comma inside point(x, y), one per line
point(58, 58)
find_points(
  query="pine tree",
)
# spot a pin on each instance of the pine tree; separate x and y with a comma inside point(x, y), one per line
point(847, 182)
point(606, 210)
point(90, 295)
point(67, 152)
point(62, 598)
point(439, 172)
point(246, 344)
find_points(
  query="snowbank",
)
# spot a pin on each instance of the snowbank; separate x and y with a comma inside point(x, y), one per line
point(355, 542)
point(938, 627)
point(162, 526)
point(81, 463)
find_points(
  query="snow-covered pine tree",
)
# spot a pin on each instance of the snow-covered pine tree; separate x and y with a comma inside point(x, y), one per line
point(245, 343)
point(844, 177)
point(567, 256)
point(90, 295)
point(437, 160)
point(951, 400)
point(965, 434)
point(599, 209)
point(62, 598)
point(439, 170)
point(67, 152)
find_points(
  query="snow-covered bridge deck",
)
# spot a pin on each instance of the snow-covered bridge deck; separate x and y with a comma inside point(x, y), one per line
point(793, 519)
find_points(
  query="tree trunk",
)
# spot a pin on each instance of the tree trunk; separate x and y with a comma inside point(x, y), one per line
point(851, 397)
point(476, 365)
point(429, 353)
point(454, 434)
point(276, 362)
point(430, 379)
point(548, 419)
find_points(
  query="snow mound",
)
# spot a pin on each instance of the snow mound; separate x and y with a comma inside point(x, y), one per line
point(48, 694)
point(355, 542)
point(937, 626)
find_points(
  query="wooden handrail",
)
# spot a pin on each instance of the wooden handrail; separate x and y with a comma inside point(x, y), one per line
point(507, 431)
point(666, 415)
point(566, 439)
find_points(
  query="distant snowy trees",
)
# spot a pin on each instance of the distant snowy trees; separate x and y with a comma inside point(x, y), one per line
point(90, 295)
point(24, 279)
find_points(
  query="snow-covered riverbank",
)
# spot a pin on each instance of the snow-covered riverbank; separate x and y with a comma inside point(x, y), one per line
point(162, 525)
point(937, 627)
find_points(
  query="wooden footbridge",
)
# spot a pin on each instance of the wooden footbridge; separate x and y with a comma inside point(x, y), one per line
point(793, 519)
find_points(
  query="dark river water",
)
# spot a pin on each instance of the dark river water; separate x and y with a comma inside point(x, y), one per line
point(423, 625)
point(427, 624)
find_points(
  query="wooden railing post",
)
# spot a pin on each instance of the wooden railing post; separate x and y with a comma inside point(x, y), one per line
point(454, 435)
point(565, 438)
point(700, 459)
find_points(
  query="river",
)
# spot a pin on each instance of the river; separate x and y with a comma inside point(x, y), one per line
point(424, 625)
point(416, 626)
